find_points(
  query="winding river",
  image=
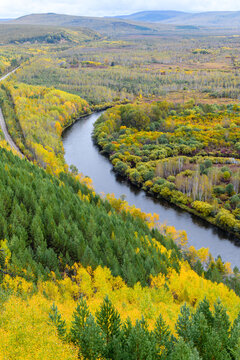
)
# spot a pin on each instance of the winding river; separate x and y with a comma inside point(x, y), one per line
point(81, 152)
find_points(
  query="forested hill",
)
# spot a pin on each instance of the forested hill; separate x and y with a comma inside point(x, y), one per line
point(59, 236)
point(38, 34)
point(50, 223)
point(101, 24)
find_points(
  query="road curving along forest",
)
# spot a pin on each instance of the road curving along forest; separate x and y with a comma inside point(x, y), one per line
point(3, 123)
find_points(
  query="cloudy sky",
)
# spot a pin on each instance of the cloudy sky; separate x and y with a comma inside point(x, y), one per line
point(15, 8)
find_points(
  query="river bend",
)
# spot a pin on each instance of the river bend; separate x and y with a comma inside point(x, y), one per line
point(81, 152)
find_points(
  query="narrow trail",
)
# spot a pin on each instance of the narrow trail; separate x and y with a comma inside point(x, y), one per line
point(3, 123)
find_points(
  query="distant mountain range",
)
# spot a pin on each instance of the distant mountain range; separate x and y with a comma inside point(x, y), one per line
point(153, 16)
point(140, 22)
point(212, 18)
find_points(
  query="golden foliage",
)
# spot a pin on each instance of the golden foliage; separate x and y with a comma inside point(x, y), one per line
point(43, 113)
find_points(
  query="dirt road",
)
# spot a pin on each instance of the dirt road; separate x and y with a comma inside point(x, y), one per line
point(3, 123)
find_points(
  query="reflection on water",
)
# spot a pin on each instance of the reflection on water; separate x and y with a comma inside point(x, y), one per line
point(81, 152)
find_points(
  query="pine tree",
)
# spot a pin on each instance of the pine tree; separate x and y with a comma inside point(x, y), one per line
point(140, 343)
point(234, 339)
point(204, 308)
point(60, 324)
point(91, 342)
point(36, 232)
point(214, 348)
point(183, 325)
point(79, 320)
point(163, 337)
point(85, 333)
point(199, 331)
point(221, 323)
point(183, 351)
point(88, 257)
point(109, 321)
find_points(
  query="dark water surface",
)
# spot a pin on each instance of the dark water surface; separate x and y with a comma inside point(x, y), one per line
point(81, 152)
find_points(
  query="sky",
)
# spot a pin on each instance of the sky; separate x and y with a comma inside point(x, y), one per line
point(16, 8)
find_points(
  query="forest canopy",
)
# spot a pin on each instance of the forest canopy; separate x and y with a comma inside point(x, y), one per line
point(188, 155)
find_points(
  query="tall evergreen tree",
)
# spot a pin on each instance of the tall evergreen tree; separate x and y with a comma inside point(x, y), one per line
point(109, 321)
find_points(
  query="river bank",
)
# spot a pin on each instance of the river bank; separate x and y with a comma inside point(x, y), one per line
point(81, 152)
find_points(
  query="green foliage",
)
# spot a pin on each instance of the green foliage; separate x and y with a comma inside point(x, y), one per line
point(165, 148)
point(134, 117)
point(183, 351)
point(109, 321)
point(79, 320)
point(85, 333)
point(90, 340)
point(164, 339)
point(208, 333)
point(56, 319)
point(49, 224)
point(229, 189)
point(202, 334)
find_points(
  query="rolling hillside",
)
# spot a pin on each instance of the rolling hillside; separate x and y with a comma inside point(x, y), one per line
point(16, 33)
point(145, 22)
point(98, 24)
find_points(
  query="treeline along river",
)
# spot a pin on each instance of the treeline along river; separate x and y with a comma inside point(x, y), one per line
point(81, 152)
